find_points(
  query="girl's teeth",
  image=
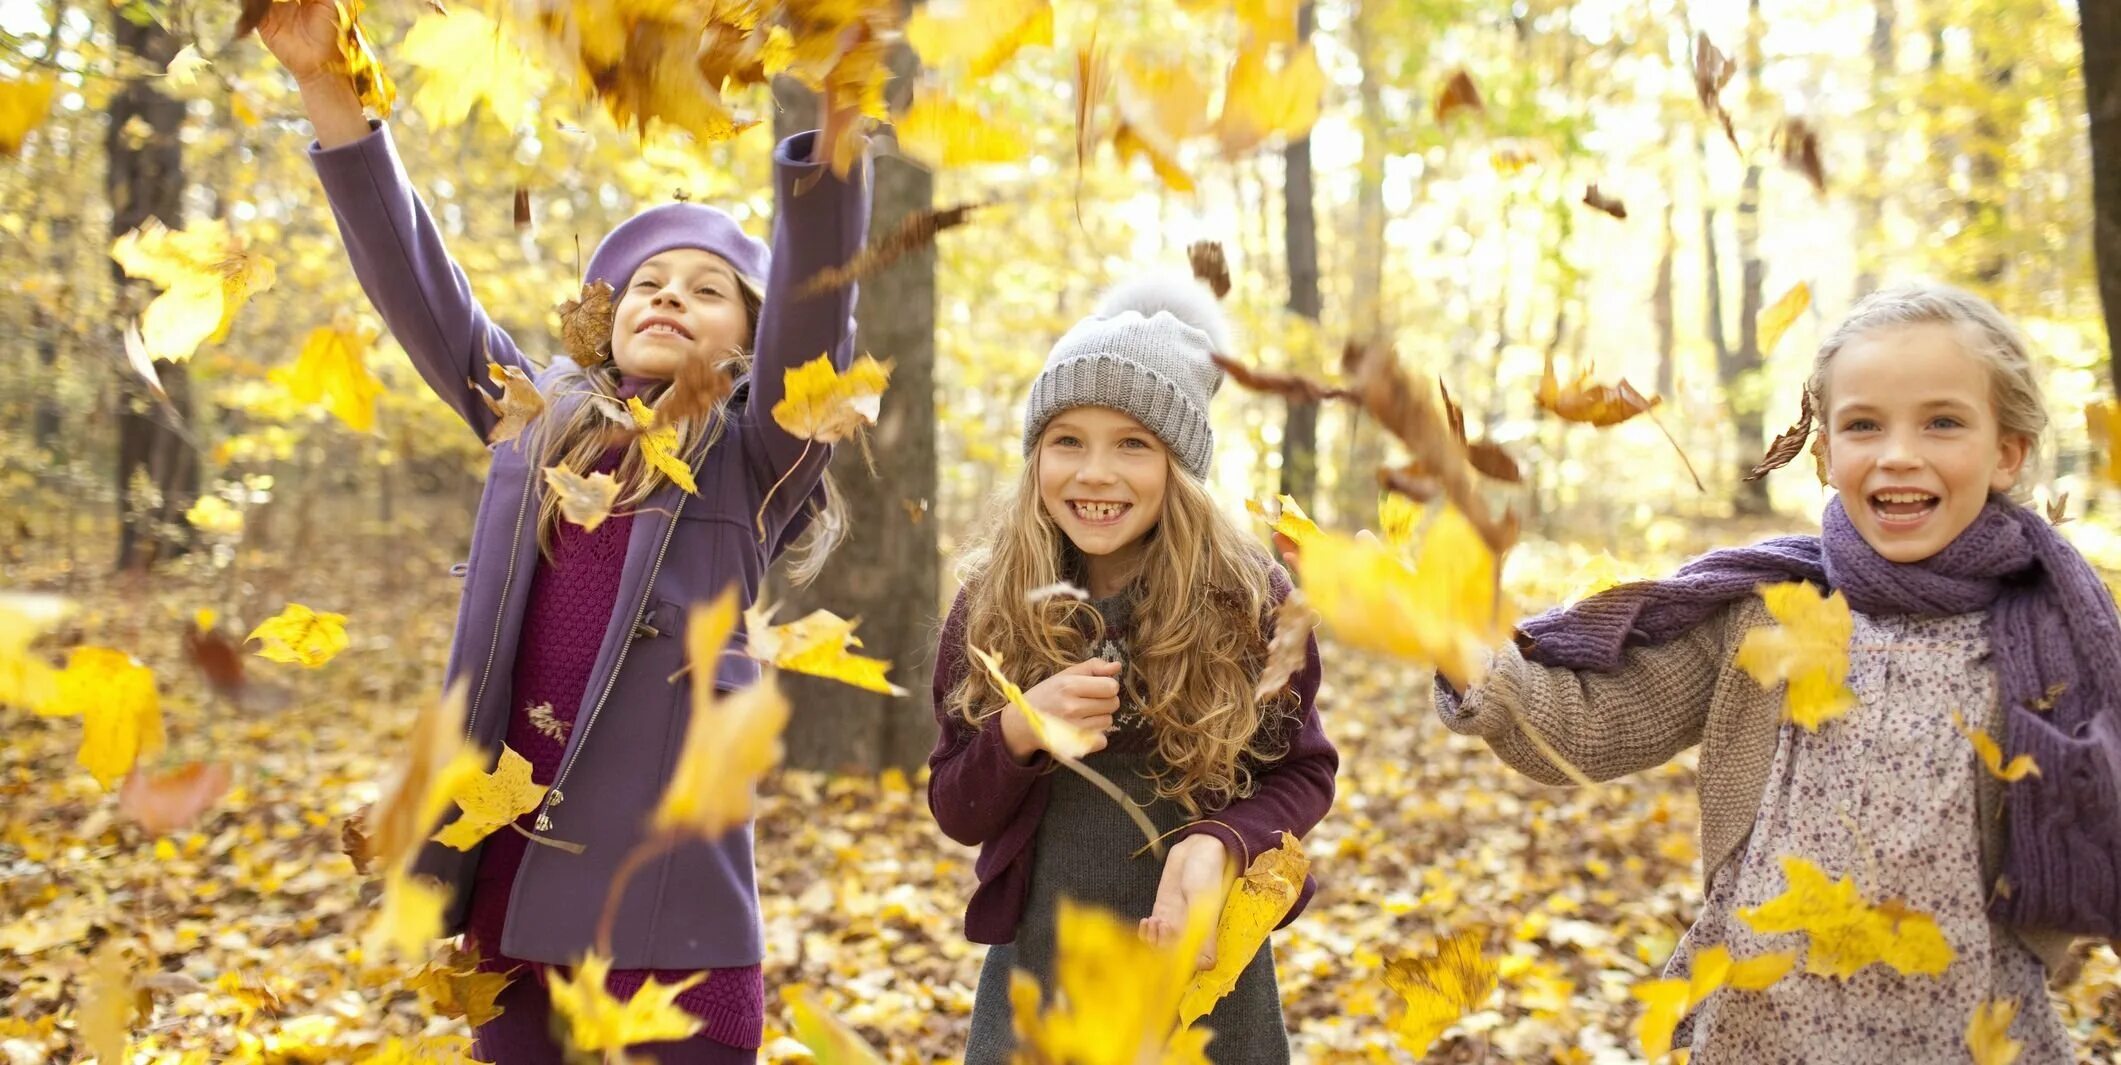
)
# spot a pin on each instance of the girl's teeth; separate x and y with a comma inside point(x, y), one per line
point(1099, 511)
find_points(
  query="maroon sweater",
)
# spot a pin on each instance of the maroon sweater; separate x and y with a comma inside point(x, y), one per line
point(982, 797)
point(571, 598)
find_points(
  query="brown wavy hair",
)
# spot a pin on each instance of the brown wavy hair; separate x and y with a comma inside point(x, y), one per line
point(1196, 647)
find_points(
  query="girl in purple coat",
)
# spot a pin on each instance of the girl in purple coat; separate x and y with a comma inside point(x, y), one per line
point(568, 639)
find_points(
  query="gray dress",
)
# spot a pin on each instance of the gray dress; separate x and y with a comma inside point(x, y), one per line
point(1082, 852)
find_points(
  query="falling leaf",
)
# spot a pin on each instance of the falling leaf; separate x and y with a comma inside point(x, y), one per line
point(136, 356)
point(1458, 94)
point(105, 1014)
point(163, 802)
point(1287, 518)
point(436, 762)
point(206, 276)
point(1162, 97)
point(1800, 151)
point(825, 405)
point(1809, 649)
point(521, 212)
point(696, 390)
point(1265, 22)
point(1293, 621)
point(940, 133)
point(1056, 590)
point(1412, 412)
point(454, 986)
point(1595, 405)
point(1262, 102)
point(830, 1040)
point(371, 82)
point(491, 800)
point(464, 60)
point(1133, 142)
point(585, 324)
point(2057, 508)
point(1712, 71)
point(1711, 970)
point(982, 39)
point(1442, 609)
point(915, 231)
point(1438, 988)
point(1117, 994)
point(1780, 315)
point(1788, 445)
point(120, 710)
point(1988, 1032)
point(25, 102)
point(598, 1022)
point(1293, 386)
point(1599, 201)
point(1067, 743)
point(1992, 756)
point(819, 645)
point(1845, 933)
point(186, 66)
point(1206, 258)
point(213, 514)
point(659, 445)
point(2103, 419)
point(330, 370)
point(548, 725)
point(585, 501)
point(27, 681)
point(410, 919)
point(730, 740)
point(520, 402)
point(1255, 906)
point(300, 635)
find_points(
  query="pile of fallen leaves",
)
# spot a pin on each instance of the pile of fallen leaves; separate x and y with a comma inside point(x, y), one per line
point(1521, 923)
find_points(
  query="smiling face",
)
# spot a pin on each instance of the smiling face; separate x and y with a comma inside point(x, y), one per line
point(680, 303)
point(1101, 478)
point(1913, 442)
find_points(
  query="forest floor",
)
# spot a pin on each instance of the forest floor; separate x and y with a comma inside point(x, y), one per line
point(256, 918)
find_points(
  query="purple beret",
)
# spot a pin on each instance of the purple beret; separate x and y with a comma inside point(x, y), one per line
point(675, 225)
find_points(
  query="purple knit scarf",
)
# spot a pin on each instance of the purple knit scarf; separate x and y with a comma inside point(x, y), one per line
point(2052, 626)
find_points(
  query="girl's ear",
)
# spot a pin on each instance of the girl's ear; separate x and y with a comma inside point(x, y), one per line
point(2014, 449)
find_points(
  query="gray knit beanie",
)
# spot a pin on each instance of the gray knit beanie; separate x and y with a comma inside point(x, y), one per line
point(1144, 351)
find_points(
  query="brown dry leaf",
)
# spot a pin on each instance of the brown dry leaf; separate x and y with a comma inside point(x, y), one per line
point(1290, 386)
point(1491, 461)
point(1599, 201)
point(1800, 151)
point(1788, 445)
point(520, 402)
point(354, 841)
point(696, 390)
point(436, 764)
point(585, 324)
point(1458, 94)
point(913, 232)
point(1209, 265)
point(1595, 405)
point(1293, 621)
point(1712, 71)
point(2057, 508)
point(585, 501)
point(163, 802)
point(1412, 413)
point(522, 208)
point(547, 723)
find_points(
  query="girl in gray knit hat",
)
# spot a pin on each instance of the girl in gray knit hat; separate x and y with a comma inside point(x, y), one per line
point(1160, 659)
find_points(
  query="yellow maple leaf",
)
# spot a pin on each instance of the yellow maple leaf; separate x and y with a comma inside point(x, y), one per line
point(1992, 756)
point(1809, 650)
point(940, 132)
point(982, 40)
point(1845, 933)
point(330, 370)
point(1397, 518)
point(1712, 970)
point(659, 446)
point(1438, 988)
point(1262, 101)
point(410, 919)
point(1780, 315)
point(433, 769)
point(1266, 21)
point(823, 404)
point(2103, 421)
point(585, 501)
point(1163, 96)
point(830, 1040)
point(1287, 517)
point(371, 82)
point(1116, 995)
point(206, 276)
point(520, 402)
point(1136, 142)
point(1443, 609)
point(466, 59)
point(1988, 1033)
point(27, 681)
point(454, 986)
point(24, 104)
point(491, 800)
point(597, 1022)
point(818, 644)
point(1256, 904)
point(300, 635)
point(1060, 737)
point(104, 1017)
point(730, 741)
point(120, 711)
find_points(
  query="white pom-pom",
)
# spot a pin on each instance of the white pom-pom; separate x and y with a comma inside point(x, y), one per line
point(1181, 294)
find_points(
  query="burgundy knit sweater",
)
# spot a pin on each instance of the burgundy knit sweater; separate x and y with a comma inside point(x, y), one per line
point(572, 595)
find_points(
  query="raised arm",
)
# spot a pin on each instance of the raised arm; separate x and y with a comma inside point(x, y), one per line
point(1605, 725)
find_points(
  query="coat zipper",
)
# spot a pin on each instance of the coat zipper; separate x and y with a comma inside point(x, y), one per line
point(554, 797)
point(493, 650)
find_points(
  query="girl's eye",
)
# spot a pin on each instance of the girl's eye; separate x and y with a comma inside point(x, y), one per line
point(1944, 421)
point(1860, 425)
point(1063, 441)
point(708, 291)
point(1134, 441)
point(644, 283)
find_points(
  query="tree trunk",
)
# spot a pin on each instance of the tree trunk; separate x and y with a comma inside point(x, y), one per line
point(1661, 308)
point(1299, 438)
point(1356, 492)
point(2101, 30)
point(886, 571)
point(1870, 204)
point(158, 471)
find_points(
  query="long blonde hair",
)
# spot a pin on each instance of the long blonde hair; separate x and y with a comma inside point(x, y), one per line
point(1195, 649)
point(580, 438)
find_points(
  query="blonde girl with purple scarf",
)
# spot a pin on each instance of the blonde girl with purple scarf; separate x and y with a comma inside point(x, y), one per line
point(1966, 607)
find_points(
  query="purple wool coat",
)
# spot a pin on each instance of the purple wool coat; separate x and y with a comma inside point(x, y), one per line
point(695, 907)
point(982, 797)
